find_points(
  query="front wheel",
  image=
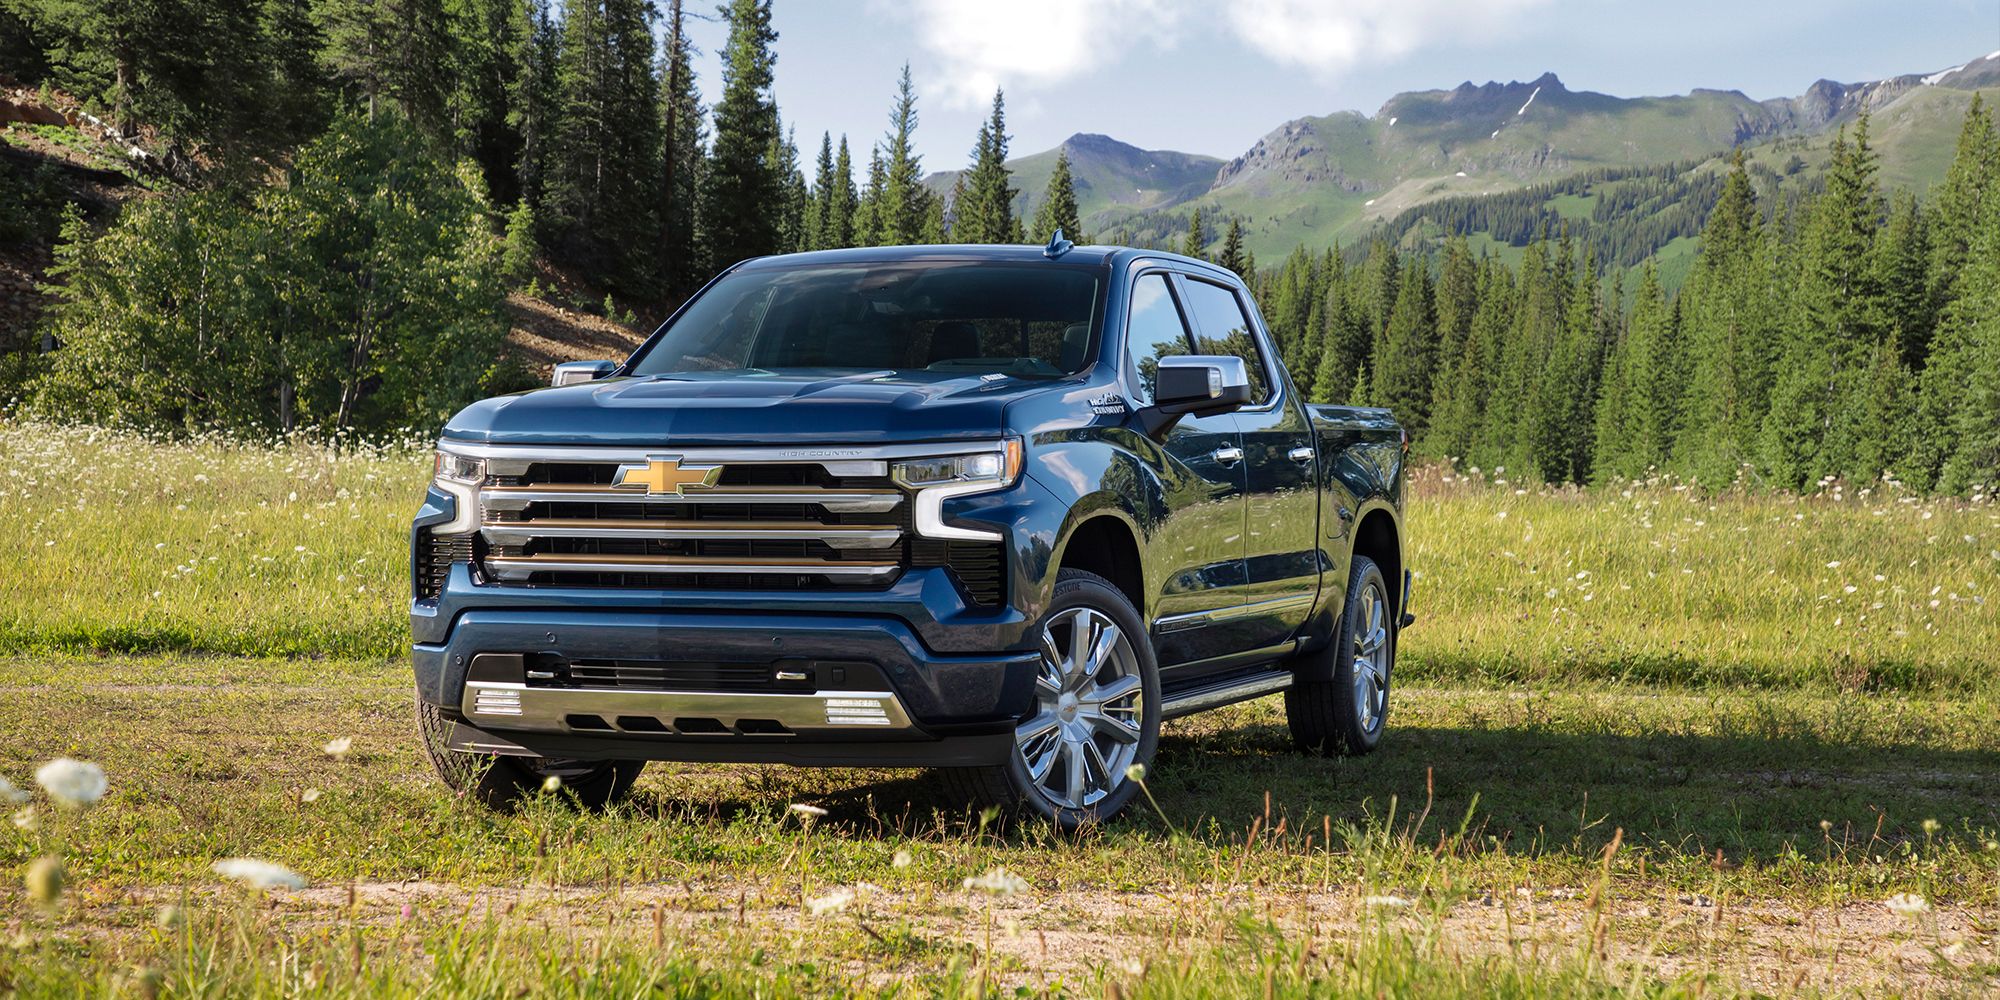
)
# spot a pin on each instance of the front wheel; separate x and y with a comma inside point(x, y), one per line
point(500, 782)
point(1096, 711)
point(1345, 714)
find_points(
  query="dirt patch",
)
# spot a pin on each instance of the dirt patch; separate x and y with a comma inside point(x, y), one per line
point(1039, 938)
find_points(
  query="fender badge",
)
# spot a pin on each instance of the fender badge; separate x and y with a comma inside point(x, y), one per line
point(1108, 404)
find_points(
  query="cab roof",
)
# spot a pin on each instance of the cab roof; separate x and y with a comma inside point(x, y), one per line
point(1111, 256)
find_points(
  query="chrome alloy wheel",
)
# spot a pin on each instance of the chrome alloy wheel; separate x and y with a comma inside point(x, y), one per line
point(1371, 659)
point(1089, 703)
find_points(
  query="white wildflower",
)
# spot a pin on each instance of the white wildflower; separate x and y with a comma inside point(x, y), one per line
point(259, 874)
point(25, 819)
point(9, 795)
point(806, 812)
point(552, 783)
point(999, 882)
point(338, 749)
point(72, 782)
point(903, 859)
point(832, 902)
point(1907, 904)
point(1136, 772)
point(1384, 902)
point(309, 795)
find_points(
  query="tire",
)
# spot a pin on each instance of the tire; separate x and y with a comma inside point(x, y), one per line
point(1093, 723)
point(1345, 715)
point(501, 782)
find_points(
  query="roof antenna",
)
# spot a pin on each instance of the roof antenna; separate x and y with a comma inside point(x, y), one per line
point(1057, 246)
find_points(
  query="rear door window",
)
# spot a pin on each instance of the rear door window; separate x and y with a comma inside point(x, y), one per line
point(1153, 331)
point(1222, 327)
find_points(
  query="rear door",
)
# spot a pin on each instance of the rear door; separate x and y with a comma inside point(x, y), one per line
point(1281, 525)
point(1195, 554)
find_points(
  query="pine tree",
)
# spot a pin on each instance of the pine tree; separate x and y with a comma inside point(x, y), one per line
point(299, 88)
point(1902, 261)
point(1731, 328)
point(741, 183)
point(532, 102)
point(1403, 369)
point(902, 206)
point(394, 50)
point(1638, 396)
point(1058, 209)
point(1196, 239)
point(985, 213)
point(1956, 208)
point(868, 226)
point(842, 202)
point(1959, 413)
point(1234, 256)
point(1836, 325)
point(819, 202)
point(790, 209)
point(602, 197)
point(683, 261)
point(490, 40)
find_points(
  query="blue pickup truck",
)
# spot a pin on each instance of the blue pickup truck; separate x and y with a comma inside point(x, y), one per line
point(998, 510)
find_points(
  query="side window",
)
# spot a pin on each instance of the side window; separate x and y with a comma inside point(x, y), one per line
point(1154, 331)
point(1222, 328)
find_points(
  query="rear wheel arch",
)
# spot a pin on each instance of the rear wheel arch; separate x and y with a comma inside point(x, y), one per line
point(1379, 537)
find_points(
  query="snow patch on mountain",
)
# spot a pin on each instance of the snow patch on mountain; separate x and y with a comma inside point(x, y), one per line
point(1932, 80)
point(1530, 100)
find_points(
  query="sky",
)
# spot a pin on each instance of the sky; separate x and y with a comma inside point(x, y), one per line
point(1203, 76)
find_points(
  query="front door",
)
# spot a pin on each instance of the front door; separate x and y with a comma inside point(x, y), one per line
point(1282, 558)
point(1196, 548)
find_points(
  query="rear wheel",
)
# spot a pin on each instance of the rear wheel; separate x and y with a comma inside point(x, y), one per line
point(1096, 711)
point(501, 782)
point(1345, 714)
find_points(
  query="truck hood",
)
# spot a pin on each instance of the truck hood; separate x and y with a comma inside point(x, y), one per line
point(743, 408)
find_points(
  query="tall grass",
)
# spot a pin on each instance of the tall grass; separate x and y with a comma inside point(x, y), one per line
point(109, 542)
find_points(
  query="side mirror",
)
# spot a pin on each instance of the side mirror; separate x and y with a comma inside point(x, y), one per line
point(1197, 385)
point(572, 372)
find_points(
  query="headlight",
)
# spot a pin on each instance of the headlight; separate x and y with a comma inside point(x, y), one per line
point(998, 466)
point(459, 477)
point(455, 468)
point(942, 477)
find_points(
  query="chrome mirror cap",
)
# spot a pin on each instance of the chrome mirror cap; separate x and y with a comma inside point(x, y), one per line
point(572, 372)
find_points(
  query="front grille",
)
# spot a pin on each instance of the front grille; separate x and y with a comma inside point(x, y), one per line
point(757, 526)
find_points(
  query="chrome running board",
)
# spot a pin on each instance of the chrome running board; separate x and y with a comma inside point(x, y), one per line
point(1220, 693)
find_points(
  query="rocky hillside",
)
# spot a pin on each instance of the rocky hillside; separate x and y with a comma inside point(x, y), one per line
point(1318, 180)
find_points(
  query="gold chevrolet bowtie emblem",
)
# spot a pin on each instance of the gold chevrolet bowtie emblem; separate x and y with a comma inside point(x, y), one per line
point(666, 475)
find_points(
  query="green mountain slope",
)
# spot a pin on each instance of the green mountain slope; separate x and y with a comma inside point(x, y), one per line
point(1345, 176)
point(1112, 178)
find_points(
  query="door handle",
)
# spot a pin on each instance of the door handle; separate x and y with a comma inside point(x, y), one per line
point(1300, 454)
point(1229, 454)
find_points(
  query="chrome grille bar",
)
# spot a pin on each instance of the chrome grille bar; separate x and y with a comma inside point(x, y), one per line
point(838, 536)
point(833, 501)
point(524, 567)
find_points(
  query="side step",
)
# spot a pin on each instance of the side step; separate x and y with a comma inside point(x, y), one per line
point(1226, 692)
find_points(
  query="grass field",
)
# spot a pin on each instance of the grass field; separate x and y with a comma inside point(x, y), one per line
point(1645, 743)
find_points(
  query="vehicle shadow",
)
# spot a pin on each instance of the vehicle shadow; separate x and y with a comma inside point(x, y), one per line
point(1538, 789)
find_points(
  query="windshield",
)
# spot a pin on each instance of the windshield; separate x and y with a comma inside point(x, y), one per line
point(1029, 319)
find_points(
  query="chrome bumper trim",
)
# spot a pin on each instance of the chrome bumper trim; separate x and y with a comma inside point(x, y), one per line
point(507, 706)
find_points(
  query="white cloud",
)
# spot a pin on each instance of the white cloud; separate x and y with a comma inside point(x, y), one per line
point(984, 44)
point(1327, 37)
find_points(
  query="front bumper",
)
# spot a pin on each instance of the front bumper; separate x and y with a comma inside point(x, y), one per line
point(854, 689)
